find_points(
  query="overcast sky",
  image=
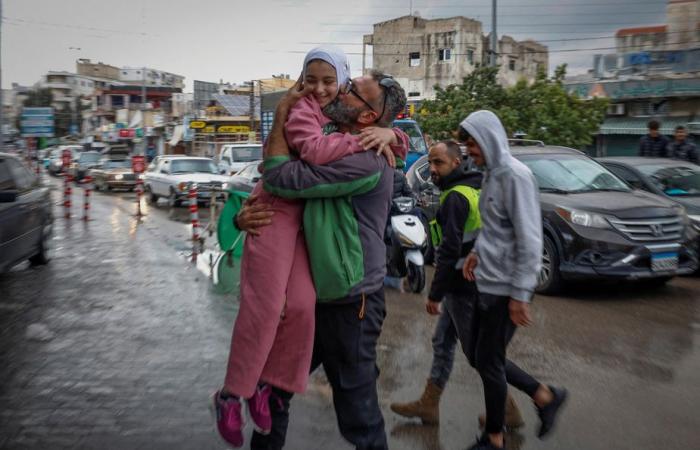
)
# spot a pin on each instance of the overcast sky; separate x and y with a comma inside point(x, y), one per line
point(240, 40)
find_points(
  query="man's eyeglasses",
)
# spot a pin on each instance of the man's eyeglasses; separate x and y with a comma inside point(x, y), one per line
point(386, 82)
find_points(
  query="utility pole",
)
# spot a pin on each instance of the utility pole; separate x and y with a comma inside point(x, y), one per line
point(494, 35)
point(2, 99)
point(252, 106)
point(143, 111)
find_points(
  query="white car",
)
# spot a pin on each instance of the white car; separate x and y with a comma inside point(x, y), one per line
point(234, 157)
point(56, 158)
point(171, 177)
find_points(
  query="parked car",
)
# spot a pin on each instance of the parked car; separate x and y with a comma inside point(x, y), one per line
point(679, 181)
point(56, 163)
point(84, 162)
point(416, 140)
point(26, 217)
point(234, 157)
point(246, 179)
point(113, 174)
point(595, 226)
point(171, 177)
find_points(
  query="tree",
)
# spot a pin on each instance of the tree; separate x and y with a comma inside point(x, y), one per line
point(63, 118)
point(38, 98)
point(543, 110)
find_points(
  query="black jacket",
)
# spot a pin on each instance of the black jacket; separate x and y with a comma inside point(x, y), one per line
point(686, 150)
point(401, 187)
point(452, 215)
point(655, 147)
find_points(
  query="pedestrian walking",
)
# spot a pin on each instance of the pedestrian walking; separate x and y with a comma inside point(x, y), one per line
point(504, 263)
point(654, 143)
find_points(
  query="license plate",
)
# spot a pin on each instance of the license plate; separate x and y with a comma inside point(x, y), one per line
point(663, 262)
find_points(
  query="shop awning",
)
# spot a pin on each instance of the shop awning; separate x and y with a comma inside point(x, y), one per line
point(638, 125)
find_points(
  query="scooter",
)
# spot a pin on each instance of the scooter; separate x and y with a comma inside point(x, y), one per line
point(405, 240)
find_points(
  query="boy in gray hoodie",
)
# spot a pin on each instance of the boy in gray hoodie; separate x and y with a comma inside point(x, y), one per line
point(504, 262)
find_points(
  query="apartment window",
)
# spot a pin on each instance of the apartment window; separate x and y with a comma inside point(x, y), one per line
point(445, 54)
point(511, 64)
point(124, 72)
point(470, 56)
point(414, 94)
point(649, 109)
point(414, 59)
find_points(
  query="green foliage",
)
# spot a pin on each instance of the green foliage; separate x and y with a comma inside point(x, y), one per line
point(38, 98)
point(543, 110)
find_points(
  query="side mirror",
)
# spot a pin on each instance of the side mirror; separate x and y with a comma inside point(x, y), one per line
point(256, 179)
point(164, 171)
point(8, 196)
point(222, 171)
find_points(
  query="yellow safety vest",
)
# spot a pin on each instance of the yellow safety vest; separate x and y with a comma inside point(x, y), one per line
point(473, 223)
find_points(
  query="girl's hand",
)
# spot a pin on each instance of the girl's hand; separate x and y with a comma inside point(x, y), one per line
point(380, 139)
point(294, 94)
point(376, 137)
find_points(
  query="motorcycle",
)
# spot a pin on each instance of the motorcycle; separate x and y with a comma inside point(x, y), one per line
point(405, 239)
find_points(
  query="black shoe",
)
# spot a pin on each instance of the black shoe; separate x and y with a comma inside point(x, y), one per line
point(548, 414)
point(484, 443)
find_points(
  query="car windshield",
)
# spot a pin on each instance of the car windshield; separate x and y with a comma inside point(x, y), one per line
point(246, 154)
point(415, 137)
point(116, 164)
point(193, 165)
point(571, 174)
point(676, 181)
point(89, 157)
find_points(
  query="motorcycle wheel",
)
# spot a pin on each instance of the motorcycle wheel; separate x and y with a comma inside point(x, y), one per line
point(416, 278)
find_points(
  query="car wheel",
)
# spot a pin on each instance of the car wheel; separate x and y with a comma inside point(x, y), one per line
point(45, 246)
point(150, 196)
point(173, 202)
point(549, 280)
point(658, 282)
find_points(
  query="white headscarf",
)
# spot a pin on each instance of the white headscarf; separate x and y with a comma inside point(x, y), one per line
point(333, 56)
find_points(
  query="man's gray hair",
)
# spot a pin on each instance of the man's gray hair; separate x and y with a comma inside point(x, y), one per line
point(395, 99)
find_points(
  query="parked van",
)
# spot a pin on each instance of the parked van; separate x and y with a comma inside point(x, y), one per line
point(417, 143)
point(234, 157)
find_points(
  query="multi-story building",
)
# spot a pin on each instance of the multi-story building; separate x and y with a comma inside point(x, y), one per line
point(152, 77)
point(87, 68)
point(655, 74)
point(422, 53)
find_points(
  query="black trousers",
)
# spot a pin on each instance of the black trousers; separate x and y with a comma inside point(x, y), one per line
point(484, 329)
point(345, 344)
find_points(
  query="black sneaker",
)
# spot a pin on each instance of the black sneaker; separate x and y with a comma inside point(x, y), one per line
point(548, 414)
point(484, 443)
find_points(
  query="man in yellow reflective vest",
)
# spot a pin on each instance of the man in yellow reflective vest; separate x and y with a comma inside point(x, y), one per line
point(453, 233)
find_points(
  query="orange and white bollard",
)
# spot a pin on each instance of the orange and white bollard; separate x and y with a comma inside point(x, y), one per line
point(86, 203)
point(194, 217)
point(67, 191)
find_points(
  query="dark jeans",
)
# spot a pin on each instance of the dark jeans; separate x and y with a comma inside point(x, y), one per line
point(444, 343)
point(484, 329)
point(345, 344)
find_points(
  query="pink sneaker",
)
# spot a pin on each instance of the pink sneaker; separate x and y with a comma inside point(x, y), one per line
point(259, 409)
point(229, 419)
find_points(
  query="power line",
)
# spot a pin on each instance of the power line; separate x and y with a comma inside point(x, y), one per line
point(516, 5)
point(75, 27)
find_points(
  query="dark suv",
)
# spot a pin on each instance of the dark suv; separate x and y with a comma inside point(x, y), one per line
point(26, 219)
point(595, 226)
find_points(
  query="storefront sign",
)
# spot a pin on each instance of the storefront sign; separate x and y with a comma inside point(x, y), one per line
point(197, 124)
point(233, 129)
point(209, 129)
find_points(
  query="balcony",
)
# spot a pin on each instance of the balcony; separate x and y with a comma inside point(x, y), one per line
point(57, 85)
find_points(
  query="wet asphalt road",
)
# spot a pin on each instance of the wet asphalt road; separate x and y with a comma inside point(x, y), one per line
point(120, 340)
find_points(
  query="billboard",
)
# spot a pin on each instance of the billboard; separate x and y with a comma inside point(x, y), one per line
point(37, 122)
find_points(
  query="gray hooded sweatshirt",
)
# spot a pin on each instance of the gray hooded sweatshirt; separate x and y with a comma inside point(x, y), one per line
point(509, 245)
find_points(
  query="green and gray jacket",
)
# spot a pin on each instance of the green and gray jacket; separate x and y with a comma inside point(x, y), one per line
point(347, 204)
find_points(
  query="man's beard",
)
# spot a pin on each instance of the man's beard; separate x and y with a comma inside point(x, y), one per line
point(341, 113)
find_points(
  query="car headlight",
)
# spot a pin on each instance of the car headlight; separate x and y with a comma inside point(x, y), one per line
point(182, 187)
point(695, 221)
point(224, 187)
point(583, 218)
point(119, 176)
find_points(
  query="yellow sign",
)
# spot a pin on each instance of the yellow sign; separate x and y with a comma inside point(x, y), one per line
point(233, 129)
point(197, 125)
point(209, 129)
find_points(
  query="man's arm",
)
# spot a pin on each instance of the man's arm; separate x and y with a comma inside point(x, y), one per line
point(455, 210)
point(352, 175)
point(525, 214)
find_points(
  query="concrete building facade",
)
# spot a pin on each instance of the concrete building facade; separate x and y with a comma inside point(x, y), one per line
point(152, 77)
point(422, 53)
point(99, 70)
